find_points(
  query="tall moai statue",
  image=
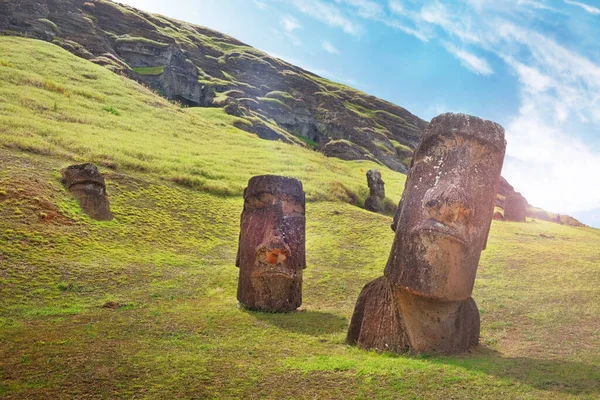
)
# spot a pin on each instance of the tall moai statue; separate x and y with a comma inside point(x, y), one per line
point(271, 252)
point(376, 192)
point(423, 303)
point(87, 185)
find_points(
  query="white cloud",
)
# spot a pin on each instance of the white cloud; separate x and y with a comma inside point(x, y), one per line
point(330, 48)
point(559, 91)
point(550, 167)
point(260, 5)
point(365, 8)
point(289, 25)
point(396, 7)
point(474, 63)
point(329, 14)
point(587, 8)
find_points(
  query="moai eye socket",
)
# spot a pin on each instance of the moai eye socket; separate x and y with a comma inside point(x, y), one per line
point(261, 201)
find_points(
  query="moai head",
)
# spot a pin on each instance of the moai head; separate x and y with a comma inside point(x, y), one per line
point(376, 184)
point(515, 208)
point(271, 252)
point(87, 185)
point(447, 205)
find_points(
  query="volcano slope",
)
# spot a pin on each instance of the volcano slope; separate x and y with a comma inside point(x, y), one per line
point(144, 306)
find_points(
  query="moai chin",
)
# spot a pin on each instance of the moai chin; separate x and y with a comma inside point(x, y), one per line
point(271, 251)
point(442, 226)
point(87, 185)
point(376, 191)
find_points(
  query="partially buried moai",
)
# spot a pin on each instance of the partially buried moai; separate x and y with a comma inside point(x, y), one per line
point(423, 302)
point(87, 185)
point(271, 252)
point(376, 191)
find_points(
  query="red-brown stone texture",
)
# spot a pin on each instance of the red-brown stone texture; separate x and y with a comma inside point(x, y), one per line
point(87, 185)
point(441, 228)
point(515, 208)
point(271, 252)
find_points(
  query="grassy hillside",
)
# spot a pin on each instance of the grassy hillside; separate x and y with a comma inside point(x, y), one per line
point(202, 67)
point(174, 179)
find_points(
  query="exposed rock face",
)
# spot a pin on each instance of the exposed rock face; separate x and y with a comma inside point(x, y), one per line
point(515, 208)
point(271, 252)
point(423, 302)
point(192, 64)
point(376, 192)
point(87, 185)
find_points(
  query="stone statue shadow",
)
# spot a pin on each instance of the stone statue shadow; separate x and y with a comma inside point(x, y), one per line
point(312, 323)
point(575, 378)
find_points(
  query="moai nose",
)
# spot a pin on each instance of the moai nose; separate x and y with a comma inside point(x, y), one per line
point(274, 250)
point(445, 202)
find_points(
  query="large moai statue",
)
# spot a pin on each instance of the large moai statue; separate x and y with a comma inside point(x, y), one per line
point(515, 208)
point(376, 192)
point(423, 302)
point(87, 185)
point(271, 252)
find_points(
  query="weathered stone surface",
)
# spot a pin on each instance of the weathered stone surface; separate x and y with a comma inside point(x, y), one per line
point(515, 208)
point(345, 150)
point(271, 252)
point(441, 228)
point(376, 191)
point(87, 185)
point(390, 318)
point(377, 322)
point(447, 207)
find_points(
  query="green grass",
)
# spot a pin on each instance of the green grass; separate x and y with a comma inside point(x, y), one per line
point(274, 102)
point(50, 24)
point(283, 96)
point(168, 258)
point(150, 70)
point(111, 110)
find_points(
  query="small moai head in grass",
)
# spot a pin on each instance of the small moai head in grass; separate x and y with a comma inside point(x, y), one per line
point(271, 251)
point(447, 207)
point(376, 191)
point(87, 185)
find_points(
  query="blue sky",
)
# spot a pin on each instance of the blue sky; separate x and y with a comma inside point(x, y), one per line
point(531, 65)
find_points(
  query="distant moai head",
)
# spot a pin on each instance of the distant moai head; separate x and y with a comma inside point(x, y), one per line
point(447, 205)
point(271, 252)
point(87, 185)
point(515, 208)
point(376, 184)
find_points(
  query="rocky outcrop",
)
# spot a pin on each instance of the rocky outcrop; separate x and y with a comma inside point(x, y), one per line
point(200, 67)
point(518, 208)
